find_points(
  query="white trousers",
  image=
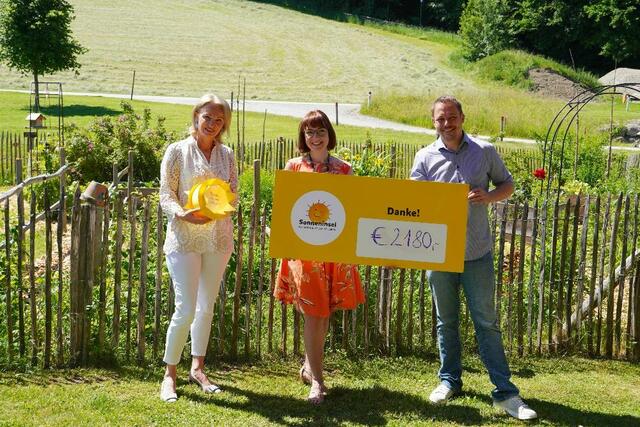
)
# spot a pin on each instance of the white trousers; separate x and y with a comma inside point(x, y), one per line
point(196, 283)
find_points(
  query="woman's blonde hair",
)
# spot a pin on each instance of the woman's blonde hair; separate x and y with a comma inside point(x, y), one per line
point(213, 99)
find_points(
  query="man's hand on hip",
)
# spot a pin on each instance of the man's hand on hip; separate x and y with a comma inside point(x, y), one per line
point(479, 196)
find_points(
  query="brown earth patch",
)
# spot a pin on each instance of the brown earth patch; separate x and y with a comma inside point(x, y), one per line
point(549, 83)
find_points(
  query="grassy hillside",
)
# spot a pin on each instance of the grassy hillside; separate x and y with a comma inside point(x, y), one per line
point(188, 47)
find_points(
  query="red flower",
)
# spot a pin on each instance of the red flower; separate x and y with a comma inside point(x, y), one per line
point(540, 173)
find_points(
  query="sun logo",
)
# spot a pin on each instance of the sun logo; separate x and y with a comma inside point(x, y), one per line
point(319, 212)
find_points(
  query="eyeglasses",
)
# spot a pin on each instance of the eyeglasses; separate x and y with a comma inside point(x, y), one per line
point(320, 133)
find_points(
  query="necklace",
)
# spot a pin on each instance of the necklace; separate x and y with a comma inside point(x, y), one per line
point(319, 166)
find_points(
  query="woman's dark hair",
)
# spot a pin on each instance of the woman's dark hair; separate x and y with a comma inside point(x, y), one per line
point(315, 119)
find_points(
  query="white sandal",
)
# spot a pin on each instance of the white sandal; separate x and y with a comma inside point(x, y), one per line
point(167, 393)
point(210, 388)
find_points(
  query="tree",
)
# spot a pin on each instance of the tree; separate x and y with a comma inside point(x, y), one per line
point(36, 39)
point(484, 28)
point(616, 24)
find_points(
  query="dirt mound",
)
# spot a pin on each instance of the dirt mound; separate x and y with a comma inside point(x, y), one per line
point(549, 83)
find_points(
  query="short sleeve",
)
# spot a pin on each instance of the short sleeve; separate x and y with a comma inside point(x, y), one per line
point(418, 172)
point(498, 172)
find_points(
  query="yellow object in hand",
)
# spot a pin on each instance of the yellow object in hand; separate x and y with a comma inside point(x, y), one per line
point(212, 199)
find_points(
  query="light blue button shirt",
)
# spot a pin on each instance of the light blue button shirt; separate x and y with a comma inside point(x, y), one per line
point(476, 163)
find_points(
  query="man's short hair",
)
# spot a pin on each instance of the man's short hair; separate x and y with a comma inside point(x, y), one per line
point(447, 99)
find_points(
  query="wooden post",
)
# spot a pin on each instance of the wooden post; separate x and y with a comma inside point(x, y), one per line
point(133, 84)
point(530, 287)
point(238, 288)
point(572, 266)
point(632, 285)
point(337, 122)
point(271, 306)
point(501, 242)
point(60, 229)
point(520, 283)
point(365, 313)
point(510, 277)
point(157, 306)
point(421, 309)
point(594, 273)
point(605, 225)
point(63, 187)
point(582, 264)
point(563, 258)
point(8, 299)
point(130, 270)
point(552, 273)
point(399, 312)
point(32, 281)
point(410, 310)
point(99, 271)
point(20, 260)
point(612, 282)
point(618, 313)
point(255, 214)
point(117, 274)
point(48, 318)
point(74, 280)
point(263, 226)
point(88, 214)
point(142, 290)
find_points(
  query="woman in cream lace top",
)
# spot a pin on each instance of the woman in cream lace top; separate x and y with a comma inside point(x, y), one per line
point(197, 249)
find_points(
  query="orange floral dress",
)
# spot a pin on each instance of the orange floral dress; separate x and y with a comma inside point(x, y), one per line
point(319, 288)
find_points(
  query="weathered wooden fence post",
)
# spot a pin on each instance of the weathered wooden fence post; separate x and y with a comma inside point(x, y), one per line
point(238, 288)
point(20, 260)
point(7, 248)
point(142, 290)
point(81, 283)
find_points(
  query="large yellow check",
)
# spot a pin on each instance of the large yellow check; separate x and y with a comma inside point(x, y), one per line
point(365, 220)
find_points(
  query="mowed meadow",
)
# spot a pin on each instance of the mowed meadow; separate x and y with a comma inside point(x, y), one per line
point(187, 47)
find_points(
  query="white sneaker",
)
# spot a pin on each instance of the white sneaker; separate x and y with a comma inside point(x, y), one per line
point(441, 394)
point(515, 407)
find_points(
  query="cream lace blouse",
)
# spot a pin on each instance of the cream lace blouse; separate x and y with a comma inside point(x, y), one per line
point(184, 165)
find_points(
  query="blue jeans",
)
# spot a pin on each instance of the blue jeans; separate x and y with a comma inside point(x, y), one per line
point(478, 284)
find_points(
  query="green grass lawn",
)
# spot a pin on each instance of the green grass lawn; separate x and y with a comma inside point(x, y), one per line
point(527, 115)
point(14, 107)
point(393, 391)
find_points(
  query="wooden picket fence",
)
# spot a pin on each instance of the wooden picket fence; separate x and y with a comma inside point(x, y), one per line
point(273, 153)
point(13, 146)
point(567, 281)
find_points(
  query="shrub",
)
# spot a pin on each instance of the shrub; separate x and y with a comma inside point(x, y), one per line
point(483, 28)
point(245, 190)
point(106, 141)
point(368, 162)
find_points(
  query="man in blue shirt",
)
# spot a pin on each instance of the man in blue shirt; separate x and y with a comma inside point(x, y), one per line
point(455, 157)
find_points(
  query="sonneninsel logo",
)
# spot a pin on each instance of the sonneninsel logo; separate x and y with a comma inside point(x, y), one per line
point(317, 217)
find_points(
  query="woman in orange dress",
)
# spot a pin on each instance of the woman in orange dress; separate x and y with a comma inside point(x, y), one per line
point(317, 288)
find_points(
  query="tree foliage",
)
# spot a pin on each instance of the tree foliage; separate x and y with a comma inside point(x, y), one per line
point(36, 38)
point(483, 28)
point(616, 25)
